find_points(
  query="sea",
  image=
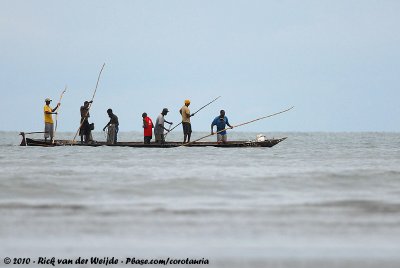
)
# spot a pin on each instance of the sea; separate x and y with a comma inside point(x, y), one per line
point(316, 199)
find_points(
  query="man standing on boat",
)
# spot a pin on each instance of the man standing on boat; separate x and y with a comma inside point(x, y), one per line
point(85, 131)
point(186, 125)
point(220, 121)
point(159, 128)
point(113, 127)
point(147, 128)
point(48, 119)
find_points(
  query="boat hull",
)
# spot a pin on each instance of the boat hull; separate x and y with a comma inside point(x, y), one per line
point(230, 144)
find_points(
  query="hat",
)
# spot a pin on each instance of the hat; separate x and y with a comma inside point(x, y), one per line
point(47, 99)
point(165, 110)
point(187, 101)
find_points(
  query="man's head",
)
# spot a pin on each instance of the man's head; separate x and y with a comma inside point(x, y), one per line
point(222, 114)
point(187, 102)
point(144, 115)
point(164, 111)
point(47, 100)
point(109, 112)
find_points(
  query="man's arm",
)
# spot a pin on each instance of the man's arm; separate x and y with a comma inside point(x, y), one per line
point(162, 126)
point(227, 122)
point(58, 105)
point(213, 123)
point(49, 111)
point(104, 128)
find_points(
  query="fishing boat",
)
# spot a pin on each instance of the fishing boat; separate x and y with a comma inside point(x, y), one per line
point(260, 141)
point(230, 144)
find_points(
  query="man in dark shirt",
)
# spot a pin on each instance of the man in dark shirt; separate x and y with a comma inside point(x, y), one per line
point(85, 130)
point(113, 127)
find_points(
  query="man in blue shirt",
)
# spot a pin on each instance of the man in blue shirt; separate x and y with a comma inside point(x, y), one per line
point(221, 122)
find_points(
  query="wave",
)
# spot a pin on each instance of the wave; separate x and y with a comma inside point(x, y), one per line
point(372, 206)
point(20, 205)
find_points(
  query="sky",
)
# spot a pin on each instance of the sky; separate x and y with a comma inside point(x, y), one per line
point(336, 61)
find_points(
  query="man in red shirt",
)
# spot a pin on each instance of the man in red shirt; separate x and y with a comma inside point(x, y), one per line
point(147, 128)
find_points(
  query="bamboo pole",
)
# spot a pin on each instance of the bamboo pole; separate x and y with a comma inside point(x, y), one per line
point(90, 104)
point(55, 129)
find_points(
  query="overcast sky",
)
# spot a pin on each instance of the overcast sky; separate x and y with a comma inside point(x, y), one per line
point(337, 62)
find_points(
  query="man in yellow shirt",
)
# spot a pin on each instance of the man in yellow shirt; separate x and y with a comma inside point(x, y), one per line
point(48, 120)
point(187, 127)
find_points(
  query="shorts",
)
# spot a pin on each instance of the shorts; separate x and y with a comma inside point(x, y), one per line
point(48, 130)
point(187, 127)
point(147, 139)
point(85, 128)
point(222, 138)
point(160, 138)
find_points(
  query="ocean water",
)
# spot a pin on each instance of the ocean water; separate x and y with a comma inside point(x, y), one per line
point(314, 200)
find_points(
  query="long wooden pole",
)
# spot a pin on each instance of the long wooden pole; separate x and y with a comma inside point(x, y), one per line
point(58, 110)
point(36, 132)
point(242, 124)
point(195, 112)
point(90, 103)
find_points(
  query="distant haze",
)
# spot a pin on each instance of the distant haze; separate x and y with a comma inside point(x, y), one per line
point(337, 62)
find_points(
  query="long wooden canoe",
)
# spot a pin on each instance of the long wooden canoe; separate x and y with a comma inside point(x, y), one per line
point(230, 144)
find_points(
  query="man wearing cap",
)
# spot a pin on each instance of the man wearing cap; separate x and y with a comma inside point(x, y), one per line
point(159, 128)
point(187, 127)
point(221, 122)
point(147, 128)
point(48, 120)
